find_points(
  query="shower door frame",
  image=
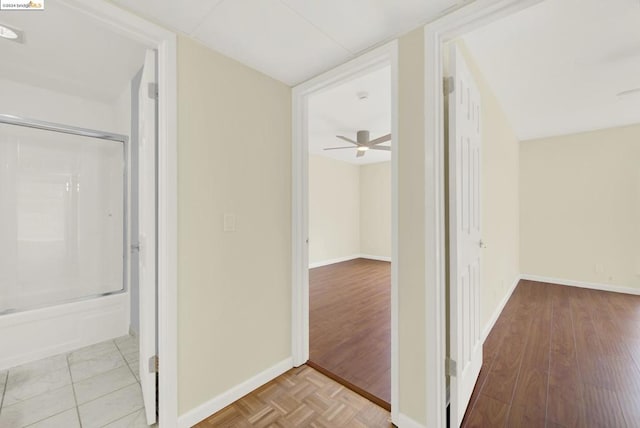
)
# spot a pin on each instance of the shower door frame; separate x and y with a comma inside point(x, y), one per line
point(100, 135)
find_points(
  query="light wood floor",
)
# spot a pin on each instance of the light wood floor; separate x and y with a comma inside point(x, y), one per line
point(350, 325)
point(302, 397)
point(561, 357)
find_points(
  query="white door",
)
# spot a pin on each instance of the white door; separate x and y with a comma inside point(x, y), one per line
point(147, 226)
point(465, 238)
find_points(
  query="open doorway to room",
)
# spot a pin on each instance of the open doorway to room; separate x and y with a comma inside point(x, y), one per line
point(350, 149)
point(557, 125)
point(359, 283)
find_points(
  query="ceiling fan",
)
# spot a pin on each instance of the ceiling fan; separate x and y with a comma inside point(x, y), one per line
point(363, 143)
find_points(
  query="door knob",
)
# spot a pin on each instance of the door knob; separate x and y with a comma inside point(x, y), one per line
point(481, 244)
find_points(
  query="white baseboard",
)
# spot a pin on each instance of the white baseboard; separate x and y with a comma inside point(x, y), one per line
point(498, 311)
point(332, 261)
point(347, 258)
point(221, 401)
point(582, 284)
point(405, 421)
point(379, 258)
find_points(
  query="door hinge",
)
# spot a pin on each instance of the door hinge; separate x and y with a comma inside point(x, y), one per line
point(153, 90)
point(449, 85)
point(450, 367)
point(154, 364)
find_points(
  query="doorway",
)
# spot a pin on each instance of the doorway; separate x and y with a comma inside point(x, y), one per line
point(312, 248)
point(350, 150)
point(436, 35)
point(98, 97)
point(537, 153)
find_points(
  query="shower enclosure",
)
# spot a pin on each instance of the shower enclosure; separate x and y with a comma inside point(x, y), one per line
point(62, 222)
point(63, 231)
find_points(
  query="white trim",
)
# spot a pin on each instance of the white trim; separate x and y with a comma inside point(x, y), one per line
point(347, 258)
point(168, 232)
point(156, 37)
point(380, 57)
point(333, 261)
point(435, 310)
point(221, 401)
point(395, 191)
point(498, 311)
point(372, 257)
point(405, 421)
point(576, 131)
point(582, 284)
point(472, 16)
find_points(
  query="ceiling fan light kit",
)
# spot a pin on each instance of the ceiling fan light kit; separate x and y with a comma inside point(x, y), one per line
point(363, 144)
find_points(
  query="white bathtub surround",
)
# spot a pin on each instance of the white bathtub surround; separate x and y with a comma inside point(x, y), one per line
point(96, 386)
point(41, 333)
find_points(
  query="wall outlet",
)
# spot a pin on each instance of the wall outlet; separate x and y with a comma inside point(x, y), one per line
point(599, 268)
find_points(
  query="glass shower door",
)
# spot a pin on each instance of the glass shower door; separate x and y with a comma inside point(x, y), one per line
point(62, 217)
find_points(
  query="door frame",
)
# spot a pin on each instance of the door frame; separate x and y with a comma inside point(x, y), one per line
point(386, 55)
point(436, 34)
point(165, 42)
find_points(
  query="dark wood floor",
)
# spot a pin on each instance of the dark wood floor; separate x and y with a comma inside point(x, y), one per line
point(350, 324)
point(302, 397)
point(561, 357)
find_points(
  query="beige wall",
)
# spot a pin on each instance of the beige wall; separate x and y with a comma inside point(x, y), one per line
point(500, 198)
point(334, 209)
point(234, 288)
point(580, 207)
point(375, 209)
point(234, 156)
point(411, 227)
point(349, 209)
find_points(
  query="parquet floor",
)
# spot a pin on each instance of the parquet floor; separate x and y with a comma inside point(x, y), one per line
point(561, 357)
point(302, 397)
point(350, 325)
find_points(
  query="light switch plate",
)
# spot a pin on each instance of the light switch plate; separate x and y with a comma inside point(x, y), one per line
point(229, 223)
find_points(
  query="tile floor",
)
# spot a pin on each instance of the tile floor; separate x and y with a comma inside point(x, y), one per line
point(96, 386)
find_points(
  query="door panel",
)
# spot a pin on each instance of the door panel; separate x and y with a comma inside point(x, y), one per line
point(465, 237)
point(147, 239)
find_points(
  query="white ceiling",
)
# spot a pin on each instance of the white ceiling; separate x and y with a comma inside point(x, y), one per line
point(291, 40)
point(557, 67)
point(65, 51)
point(339, 111)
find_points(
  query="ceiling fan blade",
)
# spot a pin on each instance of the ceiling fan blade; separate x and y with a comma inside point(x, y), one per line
point(348, 140)
point(385, 148)
point(380, 140)
point(338, 148)
point(360, 153)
